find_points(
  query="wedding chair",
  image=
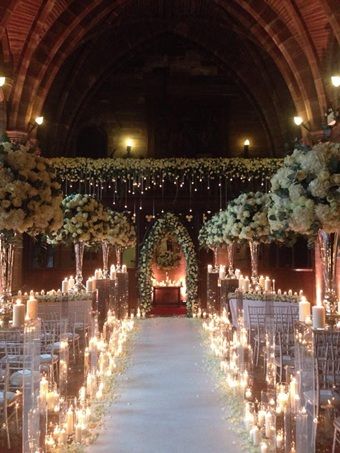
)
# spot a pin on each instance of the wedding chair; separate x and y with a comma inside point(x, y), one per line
point(8, 403)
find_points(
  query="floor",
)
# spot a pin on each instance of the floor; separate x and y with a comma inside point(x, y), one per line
point(168, 401)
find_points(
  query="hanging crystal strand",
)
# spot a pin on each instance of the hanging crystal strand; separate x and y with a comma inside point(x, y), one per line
point(328, 244)
point(106, 251)
point(254, 257)
point(7, 244)
point(79, 247)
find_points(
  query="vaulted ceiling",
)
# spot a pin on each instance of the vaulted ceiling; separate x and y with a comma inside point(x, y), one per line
point(282, 52)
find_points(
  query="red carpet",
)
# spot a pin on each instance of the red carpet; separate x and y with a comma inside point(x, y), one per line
point(169, 310)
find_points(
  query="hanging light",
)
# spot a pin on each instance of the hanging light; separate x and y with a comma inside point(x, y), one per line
point(335, 81)
point(39, 120)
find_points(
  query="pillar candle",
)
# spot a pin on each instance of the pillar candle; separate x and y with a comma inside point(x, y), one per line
point(71, 283)
point(246, 285)
point(261, 417)
point(69, 421)
point(89, 285)
point(96, 274)
point(261, 281)
point(267, 284)
point(32, 308)
point(240, 283)
point(78, 434)
point(64, 286)
point(256, 436)
point(221, 272)
point(18, 314)
point(124, 268)
point(210, 268)
point(319, 317)
point(268, 423)
point(304, 309)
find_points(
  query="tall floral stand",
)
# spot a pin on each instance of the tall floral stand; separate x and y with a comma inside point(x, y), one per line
point(328, 249)
point(254, 258)
point(122, 294)
point(79, 248)
point(7, 248)
point(105, 251)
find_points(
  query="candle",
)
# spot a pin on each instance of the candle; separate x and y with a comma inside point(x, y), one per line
point(264, 447)
point(261, 417)
point(18, 314)
point(261, 281)
point(290, 292)
point(221, 272)
point(64, 286)
point(319, 317)
point(96, 274)
point(240, 283)
point(256, 436)
point(210, 268)
point(246, 284)
point(89, 285)
point(237, 273)
point(268, 423)
point(32, 308)
point(124, 268)
point(43, 390)
point(267, 284)
point(78, 434)
point(279, 441)
point(304, 309)
point(69, 421)
point(71, 283)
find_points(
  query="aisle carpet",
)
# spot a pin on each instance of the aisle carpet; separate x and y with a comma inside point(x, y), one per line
point(168, 401)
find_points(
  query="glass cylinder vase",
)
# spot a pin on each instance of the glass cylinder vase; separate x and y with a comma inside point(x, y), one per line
point(254, 258)
point(118, 257)
point(7, 247)
point(106, 251)
point(328, 246)
point(79, 248)
point(230, 254)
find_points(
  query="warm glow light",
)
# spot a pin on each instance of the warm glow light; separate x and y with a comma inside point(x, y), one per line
point(246, 142)
point(2, 81)
point(335, 81)
point(129, 142)
point(298, 120)
point(39, 120)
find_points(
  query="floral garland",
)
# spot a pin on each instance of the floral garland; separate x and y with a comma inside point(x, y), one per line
point(84, 220)
point(111, 169)
point(119, 230)
point(305, 191)
point(247, 218)
point(30, 195)
point(168, 223)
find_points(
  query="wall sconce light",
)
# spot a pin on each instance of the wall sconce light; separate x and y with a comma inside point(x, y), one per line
point(298, 120)
point(246, 145)
point(129, 144)
point(2, 81)
point(335, 81)
point(38, 121)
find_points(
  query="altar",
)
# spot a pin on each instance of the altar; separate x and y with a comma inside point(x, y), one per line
point(166, 295)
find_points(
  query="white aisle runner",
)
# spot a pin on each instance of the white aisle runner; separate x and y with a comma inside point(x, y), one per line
point(168, 402)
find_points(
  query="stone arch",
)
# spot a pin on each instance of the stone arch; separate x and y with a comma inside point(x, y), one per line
point(168, 223)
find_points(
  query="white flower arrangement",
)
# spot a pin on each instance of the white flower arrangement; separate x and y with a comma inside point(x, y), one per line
point(168, 259)
point(213, 234)
point(30, 195)
point(84, 221)
point(305, 191)
point(247, 219)
point(166, 224)
point(119, 230)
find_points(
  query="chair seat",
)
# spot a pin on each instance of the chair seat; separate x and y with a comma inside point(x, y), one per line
point(325, 396)
point(17, 378)
point(48, 358)
point(10, 396)
point(72, 336)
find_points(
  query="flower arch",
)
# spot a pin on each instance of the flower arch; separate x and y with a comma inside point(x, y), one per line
point(168, 223)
